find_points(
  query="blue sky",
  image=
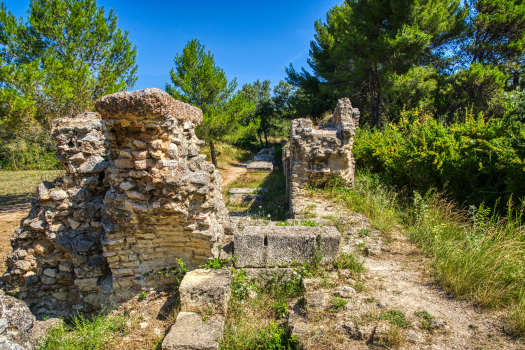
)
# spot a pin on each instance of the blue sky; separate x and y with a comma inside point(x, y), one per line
point(250, 40)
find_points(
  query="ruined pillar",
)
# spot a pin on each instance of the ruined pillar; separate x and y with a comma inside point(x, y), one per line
point(317, 154)
point(56, 264)
point(164, 201)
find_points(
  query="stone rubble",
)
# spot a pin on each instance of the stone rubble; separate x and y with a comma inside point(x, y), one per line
point(57, 263)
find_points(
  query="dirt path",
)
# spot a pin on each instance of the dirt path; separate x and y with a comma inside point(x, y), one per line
point(397, 280)
point(10, 220)
point(230, 172)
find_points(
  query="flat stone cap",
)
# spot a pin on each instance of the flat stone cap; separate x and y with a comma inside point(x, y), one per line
point(146, 104)
point(85, 121)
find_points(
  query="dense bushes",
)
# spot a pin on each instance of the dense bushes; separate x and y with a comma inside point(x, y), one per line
point(472, 162)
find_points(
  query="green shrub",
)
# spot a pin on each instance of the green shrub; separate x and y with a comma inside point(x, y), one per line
point(338, 303)
point(473, 162)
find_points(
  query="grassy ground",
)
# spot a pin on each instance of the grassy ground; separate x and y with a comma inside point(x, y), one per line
point(18, 187)
point(276, 201)
point(475, 255)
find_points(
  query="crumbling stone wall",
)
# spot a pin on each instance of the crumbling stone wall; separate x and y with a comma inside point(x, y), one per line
point(318, 153)
point(56, 263)
point(164, 199)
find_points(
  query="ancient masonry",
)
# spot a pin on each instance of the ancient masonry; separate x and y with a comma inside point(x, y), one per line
point(139, 201)
point(92, 240)
point(163, 201)
point(317, 154)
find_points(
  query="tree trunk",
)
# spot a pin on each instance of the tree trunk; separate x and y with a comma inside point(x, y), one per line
point(374, 110)
point(260, 139)
point(213, 157)
point(266, 138)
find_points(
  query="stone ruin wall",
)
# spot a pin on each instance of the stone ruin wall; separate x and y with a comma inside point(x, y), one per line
point(316, 154)
point(164, 199)
point(137, 195)
point(56, 263)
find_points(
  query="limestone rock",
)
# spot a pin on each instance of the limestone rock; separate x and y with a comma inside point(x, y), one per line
point(345, 292)
point(205, 291)
point(190, 331)
point(263, 167)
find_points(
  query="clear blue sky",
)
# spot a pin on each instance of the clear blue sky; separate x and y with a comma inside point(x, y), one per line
point(250, 40)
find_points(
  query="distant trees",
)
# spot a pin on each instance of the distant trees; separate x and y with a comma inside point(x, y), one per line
point(199, 81)
point(436, 56)
point(65, 56)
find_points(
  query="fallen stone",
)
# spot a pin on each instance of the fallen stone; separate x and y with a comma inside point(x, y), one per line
point(254, 167)
point(373, 250)
point(248, 190)
point(315, 299)
point(248, 199)
point(264, 158)
point(205, 291)
point(190, 331)
point(345, 292)
point(438, 323)
point(414, 337)
point(380, 335)
point(267, 246)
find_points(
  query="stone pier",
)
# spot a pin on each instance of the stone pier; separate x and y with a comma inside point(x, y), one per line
point(164, 204)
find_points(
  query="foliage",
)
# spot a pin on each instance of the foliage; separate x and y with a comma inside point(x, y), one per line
point(98, 334)
point(199, 81)
point(349, 262)
point(425, 317)
point(396, 317)
point(475, 254)
point(68, 54)
point(272, 337)
point(474, 162)
point(338, 303)
point(217, 264)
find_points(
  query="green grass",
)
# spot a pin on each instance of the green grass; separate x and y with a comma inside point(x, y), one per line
point(396, 317)
point(20, 186)
point(338, 303)
point(259, 322)
point(98, 334)
point(275, 206)
point(349, 262)
point(474, 253)
point(426, 318)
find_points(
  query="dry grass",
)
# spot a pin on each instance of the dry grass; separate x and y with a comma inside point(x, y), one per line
point(19, 186)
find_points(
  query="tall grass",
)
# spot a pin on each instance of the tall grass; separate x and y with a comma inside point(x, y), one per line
point(475, 254)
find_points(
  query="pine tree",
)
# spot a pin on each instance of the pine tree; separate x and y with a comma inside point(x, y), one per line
point(199, 81)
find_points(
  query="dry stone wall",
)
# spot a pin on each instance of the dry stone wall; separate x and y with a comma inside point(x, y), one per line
point(318, 153)
point(56, 263)
point(164, 200)
point(137, 198)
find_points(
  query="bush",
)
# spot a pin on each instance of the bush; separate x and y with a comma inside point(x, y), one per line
point(473, 162)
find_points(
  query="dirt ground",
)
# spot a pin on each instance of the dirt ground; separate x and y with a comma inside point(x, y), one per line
point(397, 279)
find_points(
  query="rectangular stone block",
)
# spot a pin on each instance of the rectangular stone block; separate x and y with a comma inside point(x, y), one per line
point(248, 190)
point(205, 291)
point(249, 199)
point(266, 246)
point(190, 331)
point(260, 167)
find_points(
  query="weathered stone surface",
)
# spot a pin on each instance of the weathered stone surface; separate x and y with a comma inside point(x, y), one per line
point(205, 291)
point(345, 292)
point(264, 167)
point(17, 322)
point(146, 104)
point(316, 299)
point(249, 199)
point(248, 190)
point(263, 276)
point(191, 332)
point(316, 154)
point(263, 246)
point(264, 158)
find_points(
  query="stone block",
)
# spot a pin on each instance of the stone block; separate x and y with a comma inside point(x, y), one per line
point(264, 158)
point(249, 199)
point(265, 167)
point(265, 246)
point(248, 190)
point(205, 291)
point(190, 331)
